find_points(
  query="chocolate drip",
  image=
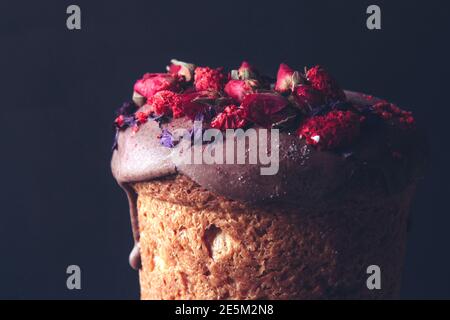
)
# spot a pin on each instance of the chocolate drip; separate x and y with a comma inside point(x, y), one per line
point(135, 258)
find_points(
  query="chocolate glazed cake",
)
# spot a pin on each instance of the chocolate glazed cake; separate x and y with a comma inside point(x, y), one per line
point(348, 165)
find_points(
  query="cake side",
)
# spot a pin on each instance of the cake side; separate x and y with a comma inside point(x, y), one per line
point(198, 245)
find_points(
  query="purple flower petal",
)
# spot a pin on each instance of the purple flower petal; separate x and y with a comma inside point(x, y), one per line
point(167, 139)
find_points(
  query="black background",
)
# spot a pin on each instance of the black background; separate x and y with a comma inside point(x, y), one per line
point(59, 89)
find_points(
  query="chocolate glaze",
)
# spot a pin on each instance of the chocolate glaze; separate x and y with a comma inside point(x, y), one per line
point(305, 175)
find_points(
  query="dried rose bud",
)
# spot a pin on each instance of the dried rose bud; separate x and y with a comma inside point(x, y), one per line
point(232, 117)
point(181, 69)
point(287, 78)
point(321, 80)
point(206, 78)
point(260, 107)
point(151, 83)
point(238, 89)
point(246, 71)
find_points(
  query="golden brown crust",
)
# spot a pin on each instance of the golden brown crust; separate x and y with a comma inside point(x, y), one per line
point(197, 245)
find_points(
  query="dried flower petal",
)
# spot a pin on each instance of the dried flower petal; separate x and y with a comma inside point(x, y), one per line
point(166, 139)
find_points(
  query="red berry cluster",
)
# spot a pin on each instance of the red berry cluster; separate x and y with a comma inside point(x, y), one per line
point(243, 97)
point(206, 78)
point(322, 81)
point(166, 102)
point(333, 130)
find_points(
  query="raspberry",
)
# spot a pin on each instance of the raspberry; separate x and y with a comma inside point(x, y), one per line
point(322, 81)
point(232, 117)
point(166, 103)
point(206, 78)
point(333, 130)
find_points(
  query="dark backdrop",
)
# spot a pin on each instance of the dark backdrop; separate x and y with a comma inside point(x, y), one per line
point(59, 88)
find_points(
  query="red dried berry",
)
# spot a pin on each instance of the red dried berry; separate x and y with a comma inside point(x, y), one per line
point(333, 130)
point(260, 107)
point(322, 81)
point(206, 78)
point(166, 103)
point(152, 83)
point(238, 89)
point(306, 97)
point(287, 78)
point(232, 117)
